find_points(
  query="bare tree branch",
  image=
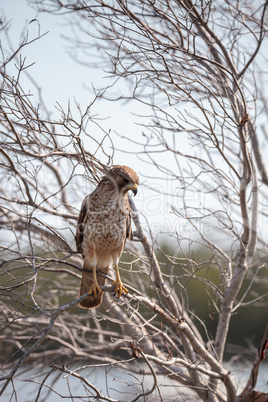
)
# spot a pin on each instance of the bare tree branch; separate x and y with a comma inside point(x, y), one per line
point(196, 71)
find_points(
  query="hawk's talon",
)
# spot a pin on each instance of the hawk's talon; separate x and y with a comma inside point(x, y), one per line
point(95, 289)
point(119, 288)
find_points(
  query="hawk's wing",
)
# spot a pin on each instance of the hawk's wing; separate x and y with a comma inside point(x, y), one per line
point(128, 226)
point(81, 224)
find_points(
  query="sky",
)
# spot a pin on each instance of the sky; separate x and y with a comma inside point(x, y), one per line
point(65, 81)
point(61, 78)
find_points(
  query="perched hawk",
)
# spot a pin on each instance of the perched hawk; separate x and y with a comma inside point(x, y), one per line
point(102, 229)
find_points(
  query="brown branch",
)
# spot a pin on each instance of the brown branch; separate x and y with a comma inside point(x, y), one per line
point(248, 391)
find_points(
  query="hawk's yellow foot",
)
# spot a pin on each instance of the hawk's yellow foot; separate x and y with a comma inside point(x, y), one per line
point(95, 289)
point(119, 287)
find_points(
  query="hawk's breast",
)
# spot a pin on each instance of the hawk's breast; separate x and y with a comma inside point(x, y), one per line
point(105, 225)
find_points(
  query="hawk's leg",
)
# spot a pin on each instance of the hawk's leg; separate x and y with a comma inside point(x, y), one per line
point(95, 287)
point(118, 285)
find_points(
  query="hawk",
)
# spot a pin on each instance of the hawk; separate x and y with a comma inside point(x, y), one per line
point(104, 224)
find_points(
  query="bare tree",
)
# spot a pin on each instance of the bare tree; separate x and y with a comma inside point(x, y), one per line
point(200, 68)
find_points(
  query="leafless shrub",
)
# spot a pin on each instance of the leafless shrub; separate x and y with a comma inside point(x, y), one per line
point(198, 67)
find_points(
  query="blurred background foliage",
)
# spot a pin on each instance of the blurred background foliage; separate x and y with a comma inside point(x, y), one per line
point(193, 276)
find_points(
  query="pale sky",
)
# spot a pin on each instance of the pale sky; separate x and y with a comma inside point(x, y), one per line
point(63, 80)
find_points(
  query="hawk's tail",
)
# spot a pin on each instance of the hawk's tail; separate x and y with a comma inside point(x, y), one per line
point(86, 283)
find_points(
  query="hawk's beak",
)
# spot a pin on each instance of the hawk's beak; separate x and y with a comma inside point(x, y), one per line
point(134, 189)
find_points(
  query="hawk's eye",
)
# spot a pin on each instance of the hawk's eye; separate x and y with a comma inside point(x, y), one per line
point(125, 180)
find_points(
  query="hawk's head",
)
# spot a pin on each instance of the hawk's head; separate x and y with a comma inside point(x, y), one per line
point(124, 178)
